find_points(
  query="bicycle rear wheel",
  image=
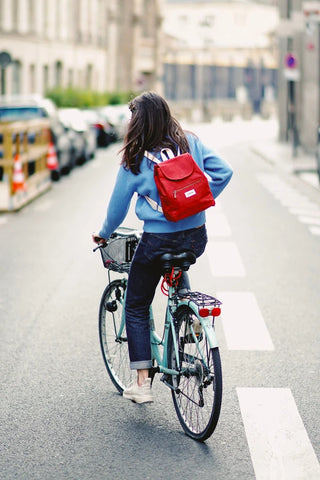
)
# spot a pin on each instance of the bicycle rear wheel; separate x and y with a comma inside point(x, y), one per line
point(112, 334)
point(197, 391)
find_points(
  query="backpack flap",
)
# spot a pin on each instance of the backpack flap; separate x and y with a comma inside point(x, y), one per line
point(176, 168)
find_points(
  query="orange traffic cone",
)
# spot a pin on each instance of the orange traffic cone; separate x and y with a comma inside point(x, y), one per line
point(18, 180)
point(52, 159)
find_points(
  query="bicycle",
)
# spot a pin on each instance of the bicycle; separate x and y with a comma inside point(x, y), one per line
point(187, 354)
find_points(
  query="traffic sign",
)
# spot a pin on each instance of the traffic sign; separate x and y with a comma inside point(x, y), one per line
point(290, 61)
point(292, 74)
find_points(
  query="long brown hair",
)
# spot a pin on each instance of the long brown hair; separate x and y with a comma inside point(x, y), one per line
point(151, 127)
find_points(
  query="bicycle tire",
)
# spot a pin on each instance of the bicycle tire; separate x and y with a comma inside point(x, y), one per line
point(197, 391)
point(114, 347)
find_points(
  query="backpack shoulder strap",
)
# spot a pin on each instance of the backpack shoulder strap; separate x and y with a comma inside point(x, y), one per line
point(151, 157)
point(165, 153)
point(153, 204)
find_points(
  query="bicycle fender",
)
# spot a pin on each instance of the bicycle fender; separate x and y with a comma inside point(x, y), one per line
point(210, 333)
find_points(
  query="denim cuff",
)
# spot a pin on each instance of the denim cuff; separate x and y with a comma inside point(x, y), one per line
point(140, 365)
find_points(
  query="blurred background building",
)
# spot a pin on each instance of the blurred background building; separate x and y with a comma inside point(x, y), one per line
point(209, 57)
point(221, 57)
point(94, 44)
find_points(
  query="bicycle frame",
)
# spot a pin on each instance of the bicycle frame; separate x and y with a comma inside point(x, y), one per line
point(161, 357)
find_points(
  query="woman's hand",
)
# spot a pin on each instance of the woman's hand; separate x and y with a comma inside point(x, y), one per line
point(97, 239)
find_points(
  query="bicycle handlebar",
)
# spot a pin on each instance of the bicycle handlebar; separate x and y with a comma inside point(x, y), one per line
point(120, 232)
point(101, 245)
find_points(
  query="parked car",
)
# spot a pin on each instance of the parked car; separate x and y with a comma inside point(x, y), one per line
point(22, 107)
point(105, 132)
point(118, 116)
point(81, 133)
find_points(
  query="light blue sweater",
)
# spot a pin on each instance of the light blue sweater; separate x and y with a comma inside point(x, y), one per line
point(143, 184)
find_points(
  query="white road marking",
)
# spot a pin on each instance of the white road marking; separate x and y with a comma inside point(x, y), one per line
point(309, 220)
point(307, 212)
point(3, 220)
point(311, 178)
point(315, 230)
point(278, 442)
point(313, 211)
point(243, 324)
point(218, 225)
point(225, 259)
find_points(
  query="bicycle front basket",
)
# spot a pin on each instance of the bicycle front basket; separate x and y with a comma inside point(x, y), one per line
point(118, 253)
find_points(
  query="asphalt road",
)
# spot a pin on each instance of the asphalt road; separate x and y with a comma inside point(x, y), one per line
point(61, 417)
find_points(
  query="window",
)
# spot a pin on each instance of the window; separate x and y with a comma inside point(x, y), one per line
point(32, 78)
point(32, 20)
point(58, 74)
point(14, 14)
point(70, 77)
point(89, 76)
point(45, 78)
point(148, 18)
point(16, 77)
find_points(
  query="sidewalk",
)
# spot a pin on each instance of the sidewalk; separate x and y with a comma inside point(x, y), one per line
point(281, 155)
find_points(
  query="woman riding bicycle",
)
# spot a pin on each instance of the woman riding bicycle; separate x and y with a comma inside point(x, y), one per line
point(153, 128)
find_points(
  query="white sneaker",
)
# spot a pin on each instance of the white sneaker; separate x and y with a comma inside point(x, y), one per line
point(139, 393)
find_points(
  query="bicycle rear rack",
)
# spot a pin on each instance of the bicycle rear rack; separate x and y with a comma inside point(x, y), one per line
point(200, 299)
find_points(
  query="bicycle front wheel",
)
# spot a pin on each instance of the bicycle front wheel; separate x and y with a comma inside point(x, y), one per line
point(112, 333)
point(197, 390)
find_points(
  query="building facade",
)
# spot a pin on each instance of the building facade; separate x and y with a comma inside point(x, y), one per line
point(221, 51)
point(299, 72)
point(139, 24)
point(103, 45)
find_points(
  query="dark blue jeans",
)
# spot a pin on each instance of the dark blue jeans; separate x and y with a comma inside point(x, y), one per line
point(143, 279)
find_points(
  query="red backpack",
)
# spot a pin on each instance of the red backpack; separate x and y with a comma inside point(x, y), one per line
point(182, 186)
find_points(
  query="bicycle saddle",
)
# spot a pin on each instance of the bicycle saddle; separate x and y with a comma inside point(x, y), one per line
point(182, 260)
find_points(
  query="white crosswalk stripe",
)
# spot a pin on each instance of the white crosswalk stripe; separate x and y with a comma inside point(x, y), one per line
point(309, 220)
point(278, 442)
point(225, 259)
point(311, 211)
point(307, 212)
point(219, 226)
point(243, 324)
point(315, 230)
point(217, 223)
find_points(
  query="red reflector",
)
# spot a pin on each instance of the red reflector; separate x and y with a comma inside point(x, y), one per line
point(216, 312)
point(204, 312)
